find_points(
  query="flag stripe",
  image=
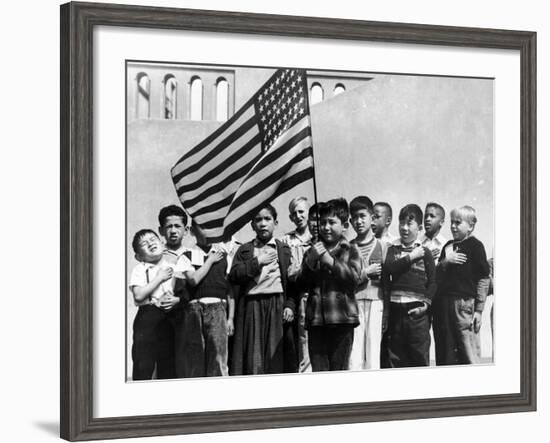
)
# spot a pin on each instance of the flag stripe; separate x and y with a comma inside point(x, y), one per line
point(290, 140)
point(286, 185)
point(218, 133)
point(206, 213)
point(246, 156)
point(229, 185)
point(261, 187)
point(244, 144)
point(295, 142)
point(280, 162)
point(211, 154)
point(219, 233)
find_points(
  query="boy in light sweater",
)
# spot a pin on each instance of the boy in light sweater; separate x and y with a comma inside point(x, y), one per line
point(365, 353)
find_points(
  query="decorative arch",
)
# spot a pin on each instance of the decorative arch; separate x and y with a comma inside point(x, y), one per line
point(143, 95)
point(196, 98)
point(316, 93)
point(339, 88)
point(170, 96)
point(222, 99)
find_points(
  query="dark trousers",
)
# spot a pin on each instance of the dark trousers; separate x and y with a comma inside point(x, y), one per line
point(408, 338)
point(202, 338)
point(330, 347)
point(456, 342)
point(153, 344)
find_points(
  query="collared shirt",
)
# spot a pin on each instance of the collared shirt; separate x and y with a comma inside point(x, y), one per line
point(230, 248)
point(143, 273)
point(435, 243)
point(196, 255)
point(389, 239)
point(269, 280)
point(299, 244)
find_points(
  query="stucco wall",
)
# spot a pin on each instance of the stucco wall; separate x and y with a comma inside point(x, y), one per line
point(410, 139)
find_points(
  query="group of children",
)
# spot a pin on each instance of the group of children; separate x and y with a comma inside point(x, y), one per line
point(312, 301)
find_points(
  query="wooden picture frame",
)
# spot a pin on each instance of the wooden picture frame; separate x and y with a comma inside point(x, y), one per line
point(77, 211)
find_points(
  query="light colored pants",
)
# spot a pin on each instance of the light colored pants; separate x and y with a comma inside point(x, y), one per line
point(365, 353)
point(456, 343)
point(303, 351)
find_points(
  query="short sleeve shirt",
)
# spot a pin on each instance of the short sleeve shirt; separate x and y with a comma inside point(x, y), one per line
point(143, 273)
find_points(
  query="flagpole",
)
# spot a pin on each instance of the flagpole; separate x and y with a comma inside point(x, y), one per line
point(312, 157)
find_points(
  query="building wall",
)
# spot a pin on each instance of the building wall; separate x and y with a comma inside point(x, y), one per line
point(410, 139)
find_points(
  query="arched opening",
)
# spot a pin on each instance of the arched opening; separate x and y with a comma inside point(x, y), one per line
point(317, 93)
point(196, 98)
point(143, 95)
point(170, 97)
point(222, 100)
point(339, 88)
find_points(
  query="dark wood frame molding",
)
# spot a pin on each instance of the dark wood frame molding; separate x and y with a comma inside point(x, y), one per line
point(77, 24)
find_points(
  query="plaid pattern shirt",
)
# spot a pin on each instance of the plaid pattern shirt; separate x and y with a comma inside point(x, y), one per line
point(331, 289)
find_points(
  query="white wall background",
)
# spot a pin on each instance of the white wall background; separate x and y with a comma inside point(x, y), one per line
point(29, 171)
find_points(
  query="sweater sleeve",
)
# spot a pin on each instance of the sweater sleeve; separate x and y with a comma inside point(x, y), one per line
point(429, 266)
point(244, 267)
point(307, 275)
point(347, 267)
point(291, 291)
point(396, 265)
point(482, 272)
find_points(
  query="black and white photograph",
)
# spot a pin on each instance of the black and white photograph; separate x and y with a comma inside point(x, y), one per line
point(283, 220)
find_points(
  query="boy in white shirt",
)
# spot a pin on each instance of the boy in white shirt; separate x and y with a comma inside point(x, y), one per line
point(432, 238)
point(381, 221)
point(152, 285)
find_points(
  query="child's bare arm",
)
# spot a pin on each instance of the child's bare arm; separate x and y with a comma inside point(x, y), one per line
point(230, 313)
point(141, 293)
point(195, 277)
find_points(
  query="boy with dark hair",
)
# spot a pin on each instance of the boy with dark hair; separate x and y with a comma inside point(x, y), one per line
point(206, 324)
point(173, 228)
point(260, 271)
point(432, 238)
point(152, 285)
point(463, 281)
point(381, 221)
point(409, 275)
point(365, 353)
point(330, 272)
point(313, 221)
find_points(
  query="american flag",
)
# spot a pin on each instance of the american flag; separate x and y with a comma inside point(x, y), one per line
point(264, 150)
